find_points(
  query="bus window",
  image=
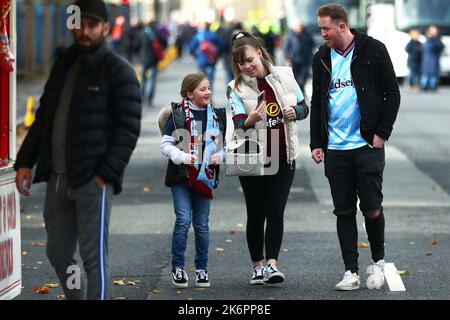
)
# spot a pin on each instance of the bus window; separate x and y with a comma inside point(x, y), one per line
point(421, 13)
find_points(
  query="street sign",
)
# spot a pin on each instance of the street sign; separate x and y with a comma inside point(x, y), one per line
point(10, 253)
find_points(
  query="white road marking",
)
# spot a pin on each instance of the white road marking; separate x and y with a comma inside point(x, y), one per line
point(393, 279)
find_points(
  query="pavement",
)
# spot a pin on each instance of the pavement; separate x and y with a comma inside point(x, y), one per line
point(417, 205)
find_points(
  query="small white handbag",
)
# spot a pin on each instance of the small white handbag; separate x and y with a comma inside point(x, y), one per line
point(242, 162)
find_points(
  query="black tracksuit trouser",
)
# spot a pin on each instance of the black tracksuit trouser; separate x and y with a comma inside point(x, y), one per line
point(266, 198)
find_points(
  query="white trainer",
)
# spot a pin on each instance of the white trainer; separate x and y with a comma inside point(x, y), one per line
point(258, 275)
point(272, 275)
point(349, 282)
point(375, 275)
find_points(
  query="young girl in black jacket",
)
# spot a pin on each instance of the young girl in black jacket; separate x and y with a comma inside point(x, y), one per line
point(192, 171)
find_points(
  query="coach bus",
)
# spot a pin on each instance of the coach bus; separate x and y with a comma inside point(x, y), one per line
point(390, 21)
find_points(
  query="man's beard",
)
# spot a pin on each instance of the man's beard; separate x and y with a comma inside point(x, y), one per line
point(90, 48)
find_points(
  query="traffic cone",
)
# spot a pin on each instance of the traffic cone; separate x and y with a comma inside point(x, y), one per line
point(30, 114)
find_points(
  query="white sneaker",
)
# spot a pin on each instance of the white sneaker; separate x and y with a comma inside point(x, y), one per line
point(375, 273)
point(257, 276)
point(349, 282)
point(273, 275)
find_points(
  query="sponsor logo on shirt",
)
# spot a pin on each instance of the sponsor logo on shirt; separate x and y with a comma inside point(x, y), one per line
point(341, 84)
point(273, 109)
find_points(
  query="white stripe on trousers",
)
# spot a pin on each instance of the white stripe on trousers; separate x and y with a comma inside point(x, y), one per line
point(102, 245)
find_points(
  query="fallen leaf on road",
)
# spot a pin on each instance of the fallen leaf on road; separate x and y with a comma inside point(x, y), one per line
point(429, 253)
point(434, 242)
point(131, 283)
point(60, 297)
point(433, 188)
point(30, 217)
point(189, 298)
point(178, 292)
point(240, 225)
point(41, 290)
point(120, 298)
point(147, 189)
point(154, 291)
point(228, 241)
point(24, 253)
point(38, 244)
point(23, 208)
point(190, 270)
point(39, 262)
point(232, 232)
point(52, 285)
point(199, 289)
point(404, 272)
point(220, 249)
point(363, 245)
point(119, 282)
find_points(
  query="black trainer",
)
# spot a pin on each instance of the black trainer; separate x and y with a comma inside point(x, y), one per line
point(179, 278)
point(202, 279)
point(257, 276)
point(272, 275)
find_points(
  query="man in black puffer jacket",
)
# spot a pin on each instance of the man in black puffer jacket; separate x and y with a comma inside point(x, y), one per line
point(85, 131)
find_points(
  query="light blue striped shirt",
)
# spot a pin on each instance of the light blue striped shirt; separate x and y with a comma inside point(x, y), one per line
point(343, 110)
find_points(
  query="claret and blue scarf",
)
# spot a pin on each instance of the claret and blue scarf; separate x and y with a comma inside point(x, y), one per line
point(202, 176)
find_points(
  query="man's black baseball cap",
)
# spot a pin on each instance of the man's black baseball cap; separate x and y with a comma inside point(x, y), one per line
point(94, 9)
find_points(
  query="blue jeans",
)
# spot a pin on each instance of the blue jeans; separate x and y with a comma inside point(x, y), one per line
point(428, 81)
point(148, 84)
point(412, 78)
point(208, 70)
point(190, 207)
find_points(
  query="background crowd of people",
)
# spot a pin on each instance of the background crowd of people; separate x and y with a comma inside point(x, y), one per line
point(207, 44)
point(423, 59)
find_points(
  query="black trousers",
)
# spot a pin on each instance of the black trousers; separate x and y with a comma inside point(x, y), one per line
point(266, 198)
point(354, 174)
